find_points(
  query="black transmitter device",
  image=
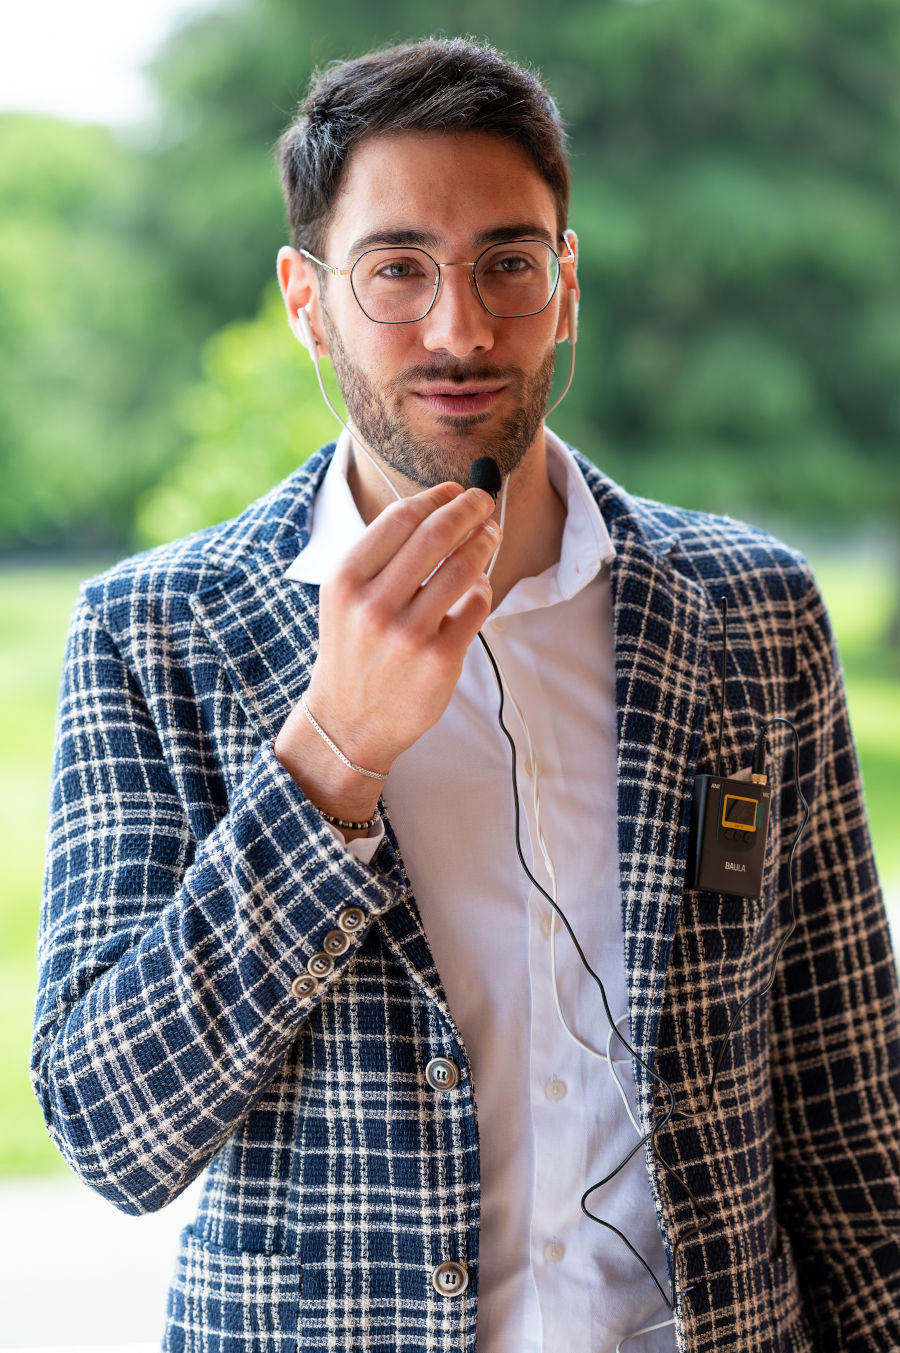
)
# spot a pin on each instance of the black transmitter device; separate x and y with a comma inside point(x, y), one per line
point(727, 846)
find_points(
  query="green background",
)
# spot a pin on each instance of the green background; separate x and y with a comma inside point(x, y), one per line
point(736, 191)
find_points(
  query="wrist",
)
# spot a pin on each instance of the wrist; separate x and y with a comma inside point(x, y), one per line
point(326, 781)
point(332, 746)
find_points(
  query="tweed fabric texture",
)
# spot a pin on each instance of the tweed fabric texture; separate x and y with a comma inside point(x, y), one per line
point(189, 882)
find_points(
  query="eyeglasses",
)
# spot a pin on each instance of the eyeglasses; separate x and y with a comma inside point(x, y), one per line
point(400, 285)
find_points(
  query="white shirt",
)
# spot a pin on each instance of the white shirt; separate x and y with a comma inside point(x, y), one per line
point(551, 1120)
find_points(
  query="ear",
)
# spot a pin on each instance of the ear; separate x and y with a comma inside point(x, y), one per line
point(569, 291)
point(300, 289)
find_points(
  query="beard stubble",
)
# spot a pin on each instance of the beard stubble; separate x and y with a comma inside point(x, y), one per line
point(429, 461)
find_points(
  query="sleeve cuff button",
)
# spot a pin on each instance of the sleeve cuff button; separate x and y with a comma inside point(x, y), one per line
point(320, 965)
point(303, 986)
point(351, 919)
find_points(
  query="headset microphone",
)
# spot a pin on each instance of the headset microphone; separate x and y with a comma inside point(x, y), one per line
point(485, 474)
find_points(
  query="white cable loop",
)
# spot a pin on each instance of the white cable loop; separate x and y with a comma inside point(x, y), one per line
point(647, 1329)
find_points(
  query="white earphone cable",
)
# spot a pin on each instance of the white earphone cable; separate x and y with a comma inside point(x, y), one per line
point(311, 349)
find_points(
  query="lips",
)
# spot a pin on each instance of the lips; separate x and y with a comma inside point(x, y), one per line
point(459, 399)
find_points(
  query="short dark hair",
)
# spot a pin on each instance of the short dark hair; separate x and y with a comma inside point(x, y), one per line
point(435, 85)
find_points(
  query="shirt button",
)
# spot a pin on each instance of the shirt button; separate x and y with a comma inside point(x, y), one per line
point(554, 1251)
point(320, 965)
point(351, 919)
point(556, 1090)
point(442, 1074)
point(498, 626)
point(450, 1279)
point(529, 768)
point(304, 986)
point(335, 942)
point(548, 921)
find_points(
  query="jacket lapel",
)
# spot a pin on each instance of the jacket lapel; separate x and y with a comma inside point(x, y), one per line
point(660, 629)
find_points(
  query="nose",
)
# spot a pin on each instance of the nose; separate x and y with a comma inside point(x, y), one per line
point(457, 322)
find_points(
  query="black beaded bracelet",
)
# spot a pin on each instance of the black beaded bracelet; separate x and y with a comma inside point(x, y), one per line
point(348, 826)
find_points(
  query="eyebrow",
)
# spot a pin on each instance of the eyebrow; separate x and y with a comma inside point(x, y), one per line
point(427, 239)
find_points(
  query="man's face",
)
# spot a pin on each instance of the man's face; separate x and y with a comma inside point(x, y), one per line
point(431, 396)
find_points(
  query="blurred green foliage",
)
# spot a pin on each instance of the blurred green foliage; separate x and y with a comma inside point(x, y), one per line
point(85, 311)
point(736, 192)
point(253, 415)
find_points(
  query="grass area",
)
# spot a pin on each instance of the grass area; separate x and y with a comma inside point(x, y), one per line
point(34, 608)
point(862, 594)
point(35, 604)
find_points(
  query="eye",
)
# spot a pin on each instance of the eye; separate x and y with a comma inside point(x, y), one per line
point(396, 267)
point(518, 261)
point(512, 263)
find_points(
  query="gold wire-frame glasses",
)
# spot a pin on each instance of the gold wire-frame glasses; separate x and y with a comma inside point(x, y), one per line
point(399, 284)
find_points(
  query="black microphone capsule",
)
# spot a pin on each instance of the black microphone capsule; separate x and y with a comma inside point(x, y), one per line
point(485, 474)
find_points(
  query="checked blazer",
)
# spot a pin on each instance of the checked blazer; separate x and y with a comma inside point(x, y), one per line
point(189, 883)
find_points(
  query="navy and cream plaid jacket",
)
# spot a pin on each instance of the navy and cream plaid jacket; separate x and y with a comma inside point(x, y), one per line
point(189, 883)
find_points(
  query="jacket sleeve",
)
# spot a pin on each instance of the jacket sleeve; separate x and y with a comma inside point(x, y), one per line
point(167, 964)
point(836, 1054)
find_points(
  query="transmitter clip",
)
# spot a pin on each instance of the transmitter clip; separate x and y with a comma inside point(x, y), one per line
point(727, 846)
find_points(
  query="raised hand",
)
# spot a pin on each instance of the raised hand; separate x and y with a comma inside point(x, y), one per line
point(395, 622)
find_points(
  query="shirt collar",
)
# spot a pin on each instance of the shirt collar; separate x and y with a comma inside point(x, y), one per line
point(336, 527)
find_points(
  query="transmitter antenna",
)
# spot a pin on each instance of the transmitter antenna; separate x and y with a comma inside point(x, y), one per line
point(724, 601)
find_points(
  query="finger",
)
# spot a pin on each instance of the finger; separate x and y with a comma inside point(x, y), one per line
point(390, 531)
point(439, 537)
point(453, 577)
point(467, 615)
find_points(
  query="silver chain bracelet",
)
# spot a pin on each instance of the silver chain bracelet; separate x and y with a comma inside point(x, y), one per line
point(360, 770)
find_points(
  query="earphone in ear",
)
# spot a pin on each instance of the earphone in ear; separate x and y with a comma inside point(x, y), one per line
point(306, 334)
point(572, 316)
point(572, 306)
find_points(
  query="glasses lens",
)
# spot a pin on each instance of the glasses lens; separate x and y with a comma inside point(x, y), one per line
point(517, 278)
point(394, 286)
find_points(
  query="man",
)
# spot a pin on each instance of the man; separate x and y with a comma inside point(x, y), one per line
point(290, 941)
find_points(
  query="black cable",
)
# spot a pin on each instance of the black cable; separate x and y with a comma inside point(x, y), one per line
point(661, 1123)
point(705, 1219)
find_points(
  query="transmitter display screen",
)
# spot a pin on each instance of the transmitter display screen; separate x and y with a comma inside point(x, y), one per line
point(739, 812)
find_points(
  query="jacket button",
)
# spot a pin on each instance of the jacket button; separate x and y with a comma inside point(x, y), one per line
point(450, 1279)
point(320, 965)
point(442, 1074)
point(351, 919)
point(335, 942)
point(304, 986)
